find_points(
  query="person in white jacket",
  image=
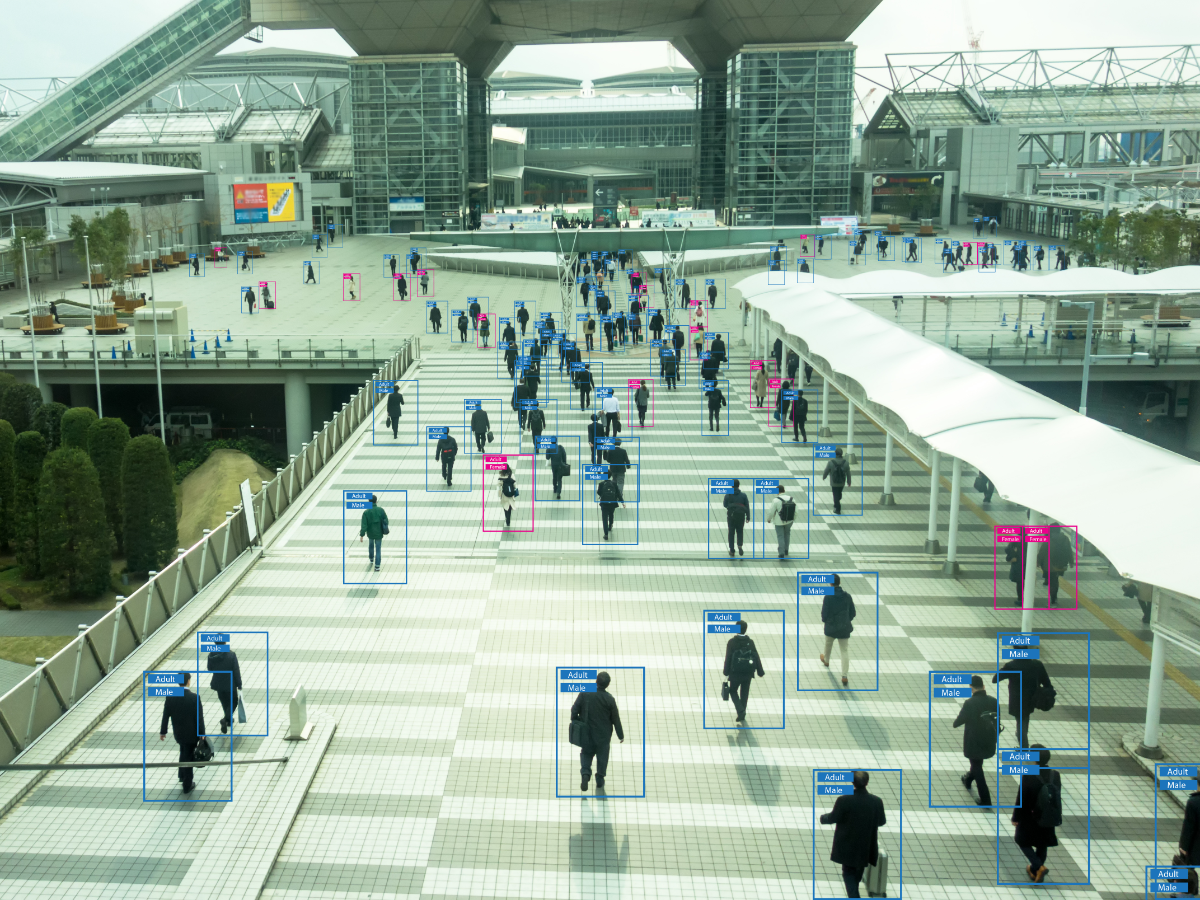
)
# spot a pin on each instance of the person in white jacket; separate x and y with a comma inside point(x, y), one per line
point(507, 493)
point(783, 515)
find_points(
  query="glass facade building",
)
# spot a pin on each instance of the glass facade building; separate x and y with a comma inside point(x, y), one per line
point(409, 119)
point(789, 121)
point(104, 93)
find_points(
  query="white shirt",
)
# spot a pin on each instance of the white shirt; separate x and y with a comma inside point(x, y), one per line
point(610, 405)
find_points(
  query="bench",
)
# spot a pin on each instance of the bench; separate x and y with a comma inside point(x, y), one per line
point(254, 251)
point(1168, 317)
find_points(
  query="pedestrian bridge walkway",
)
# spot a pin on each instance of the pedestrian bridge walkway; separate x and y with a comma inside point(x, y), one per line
point(449, 774)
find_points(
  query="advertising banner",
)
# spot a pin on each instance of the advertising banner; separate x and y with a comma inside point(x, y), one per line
point(846, 225)
point(538, 221)
point(669, 218)
point(260, 203)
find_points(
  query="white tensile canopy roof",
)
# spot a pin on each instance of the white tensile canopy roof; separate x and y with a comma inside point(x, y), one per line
point(1134, 500)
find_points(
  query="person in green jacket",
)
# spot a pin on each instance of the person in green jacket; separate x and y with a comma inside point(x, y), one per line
point(374, 526)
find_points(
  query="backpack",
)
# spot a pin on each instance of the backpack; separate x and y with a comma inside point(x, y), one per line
point(509, 488)
point(451, 450)
point(787, 512)
point(383, 523)
point(1048, 804)
point(743, 659)
point(608, 492)
point(1044, 697)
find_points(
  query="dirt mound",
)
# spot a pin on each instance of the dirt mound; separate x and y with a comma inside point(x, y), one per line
point(206, 494)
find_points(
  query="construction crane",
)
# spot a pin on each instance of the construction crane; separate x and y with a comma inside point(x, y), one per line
point(862, 103)
point(973, 38)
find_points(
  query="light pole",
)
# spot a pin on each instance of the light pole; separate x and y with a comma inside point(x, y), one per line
point(87, 252)
point(1088, 356)
point(162, 418)
point(29, 297)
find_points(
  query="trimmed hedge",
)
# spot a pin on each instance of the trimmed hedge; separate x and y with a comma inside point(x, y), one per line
point(75, 544)
point(29, 453)
point(148, 498)
point(75, 424)
point(106, 447)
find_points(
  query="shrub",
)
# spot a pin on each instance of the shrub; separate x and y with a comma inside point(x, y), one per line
point(8, 438)
point(75, 545)
point(18, 405)
point(75, 424)
point(148, 498)
point(106, 446)
point(190, 456)
point(29, 452)
point(48, 420)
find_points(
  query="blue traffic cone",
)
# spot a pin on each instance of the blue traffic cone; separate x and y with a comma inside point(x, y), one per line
point(193, 337)
point(1133, 337)
point(1045, 337)
point(129, 346)
point(1070, 334)
point(114, 351)
point(193, 354)
point(1004, 319)
point(227, 337)
point(1017, 325)
point(218, 344)
point(205, 350)
point(1043, 318)
point(1030, 331)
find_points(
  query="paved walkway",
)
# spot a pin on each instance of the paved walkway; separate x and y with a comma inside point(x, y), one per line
point(443, 774)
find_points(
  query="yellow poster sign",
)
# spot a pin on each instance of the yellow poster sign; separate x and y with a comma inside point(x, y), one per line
point(281, 202)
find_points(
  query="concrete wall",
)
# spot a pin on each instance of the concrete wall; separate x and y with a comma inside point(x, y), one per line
point(986, 160)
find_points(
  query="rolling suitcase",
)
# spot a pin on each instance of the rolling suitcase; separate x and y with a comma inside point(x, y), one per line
point(876, 876)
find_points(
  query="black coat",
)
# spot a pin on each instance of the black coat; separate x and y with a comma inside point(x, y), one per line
point(838, 612)
point(1025, 815)
point(732, 647)
point(677, 340)
point(522, 315)
point(182, 712)
point(857, 818)
point(537, 422)
point(656, 322)
point(1021, 687)
point(800, 413)
point(446, 449)
point(618, 460)
point(224, 662)
point(1189, 837)
point(479, 421)
point(395, 400)
point(600, 710)
point(558, 459)
point(716, 400)
point(737, 507)
point(978, 718)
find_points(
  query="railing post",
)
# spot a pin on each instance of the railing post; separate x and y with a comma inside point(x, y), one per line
point(118, 612)
point(204, 556)
point(178, 578)
point(78, 661)
point(228, 529)
point(291, 491)
point(40, 662)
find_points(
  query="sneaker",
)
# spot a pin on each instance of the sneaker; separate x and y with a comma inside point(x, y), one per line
point(583, 785)
point(377, 568)
point(965, 782)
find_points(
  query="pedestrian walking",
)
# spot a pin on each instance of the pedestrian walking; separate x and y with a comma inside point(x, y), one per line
point(608, 333)
point(641, 399)
point(373, 526)
point(599, 717)
point(519, 395)
point(1053, 560)
point(435, 319)
point(677, 341)
point(716, 399)
point(445, 453)
point(267, 302)
point(837, 614)
point(589, 332)
point(395, 400)
point(760, 387)
point(536, 420)
point(196, 266)
point(669, 366)
point(249, 300)
point(741, 663)
point(414, 259)
point(583, 292)
point(1039, 256)
point(226, 681)
point(608, 495)
point(808, 373)
point(186, 716)
point(392, 264)
point(584, 384)
point(737, 511)
point(463, 322)
point(800, 417)
point(320, 241)
point(1137, 590)
point(473, 311)
point(350, 287)
point(857, 819)
point(980, 720)
point(481, 427)
point(402, 289)
point(522, 318)
point(618, 464)
point(485, 330)
point(783, 517)
point(837, 470)
point(424, 282)
point(559, 467)
point(612, 415)
point(777, 355)
point(507, 493)
point(1029, 688)
point(712, 296)
point(1037, 812)
point(656, 326)
point(717, 351)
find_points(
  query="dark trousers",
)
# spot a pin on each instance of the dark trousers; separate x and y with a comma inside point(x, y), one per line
point(1053, 579)
point(187, 776)
point(227, 704)
point(714, 420)
point(609, 418)
point(976, 775)
point(585, 398)
point(798, 431)
point(851, 877)
point(837, 499)
point(735, 527)
point(481, 440)
point(557, 481)
point(462, 335)
point(595, 454)
point(1035, 855)
point(448, 468)
point(395, 426)
point(1023, 727)
point(656, 334)
point(521, 418)
point(641, 415)
point(670, 382)
point(739, 693)
point(589, 340)
point(607, 511)
point(586, 753)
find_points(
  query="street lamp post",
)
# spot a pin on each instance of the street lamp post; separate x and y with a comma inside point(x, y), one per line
point(29, 297)
point(162, 418)
point(87, 252)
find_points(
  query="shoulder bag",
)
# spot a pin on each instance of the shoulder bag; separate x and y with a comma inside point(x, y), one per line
point(203, 751)
point(578, 727)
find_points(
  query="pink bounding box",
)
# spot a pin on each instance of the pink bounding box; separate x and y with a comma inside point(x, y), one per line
point(633, 385)
point(493, 464)
point(1035, 536)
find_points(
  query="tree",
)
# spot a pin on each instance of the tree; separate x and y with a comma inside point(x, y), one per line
point(19, 404)
point(109, 238)
point(75, 546)
point(29, 452)
point(74, 427)
point(8, 438)
point(48, 420)
point(148, 496)
point(106, 442)
point(27, 241)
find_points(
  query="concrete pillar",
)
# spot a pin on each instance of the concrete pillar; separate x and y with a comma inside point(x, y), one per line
point(886, 498)
point(1149, 748)
point(850, 455)
point(757, 352)
point(1192, 441)
point(931, 541)
point(1029, 576)
point(951, 566)
point(297, 410)
point(47, 391)
point(824, 430)
point(83, 395)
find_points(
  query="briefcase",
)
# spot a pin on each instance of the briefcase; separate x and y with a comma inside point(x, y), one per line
point(876, 876)
point(575, 733)
point(725, 691)
point(203, 751)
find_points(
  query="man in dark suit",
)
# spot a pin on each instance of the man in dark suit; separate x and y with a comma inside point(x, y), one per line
point(225, 684)
point(857, 818)
point(1021, 688)
point(980, 715)
point(741, 662)
point(186, 715)
point(598, 710)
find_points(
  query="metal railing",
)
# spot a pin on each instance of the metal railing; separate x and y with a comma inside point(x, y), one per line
point(56, 686)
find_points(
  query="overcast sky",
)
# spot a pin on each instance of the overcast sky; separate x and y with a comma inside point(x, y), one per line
point(81, 34)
